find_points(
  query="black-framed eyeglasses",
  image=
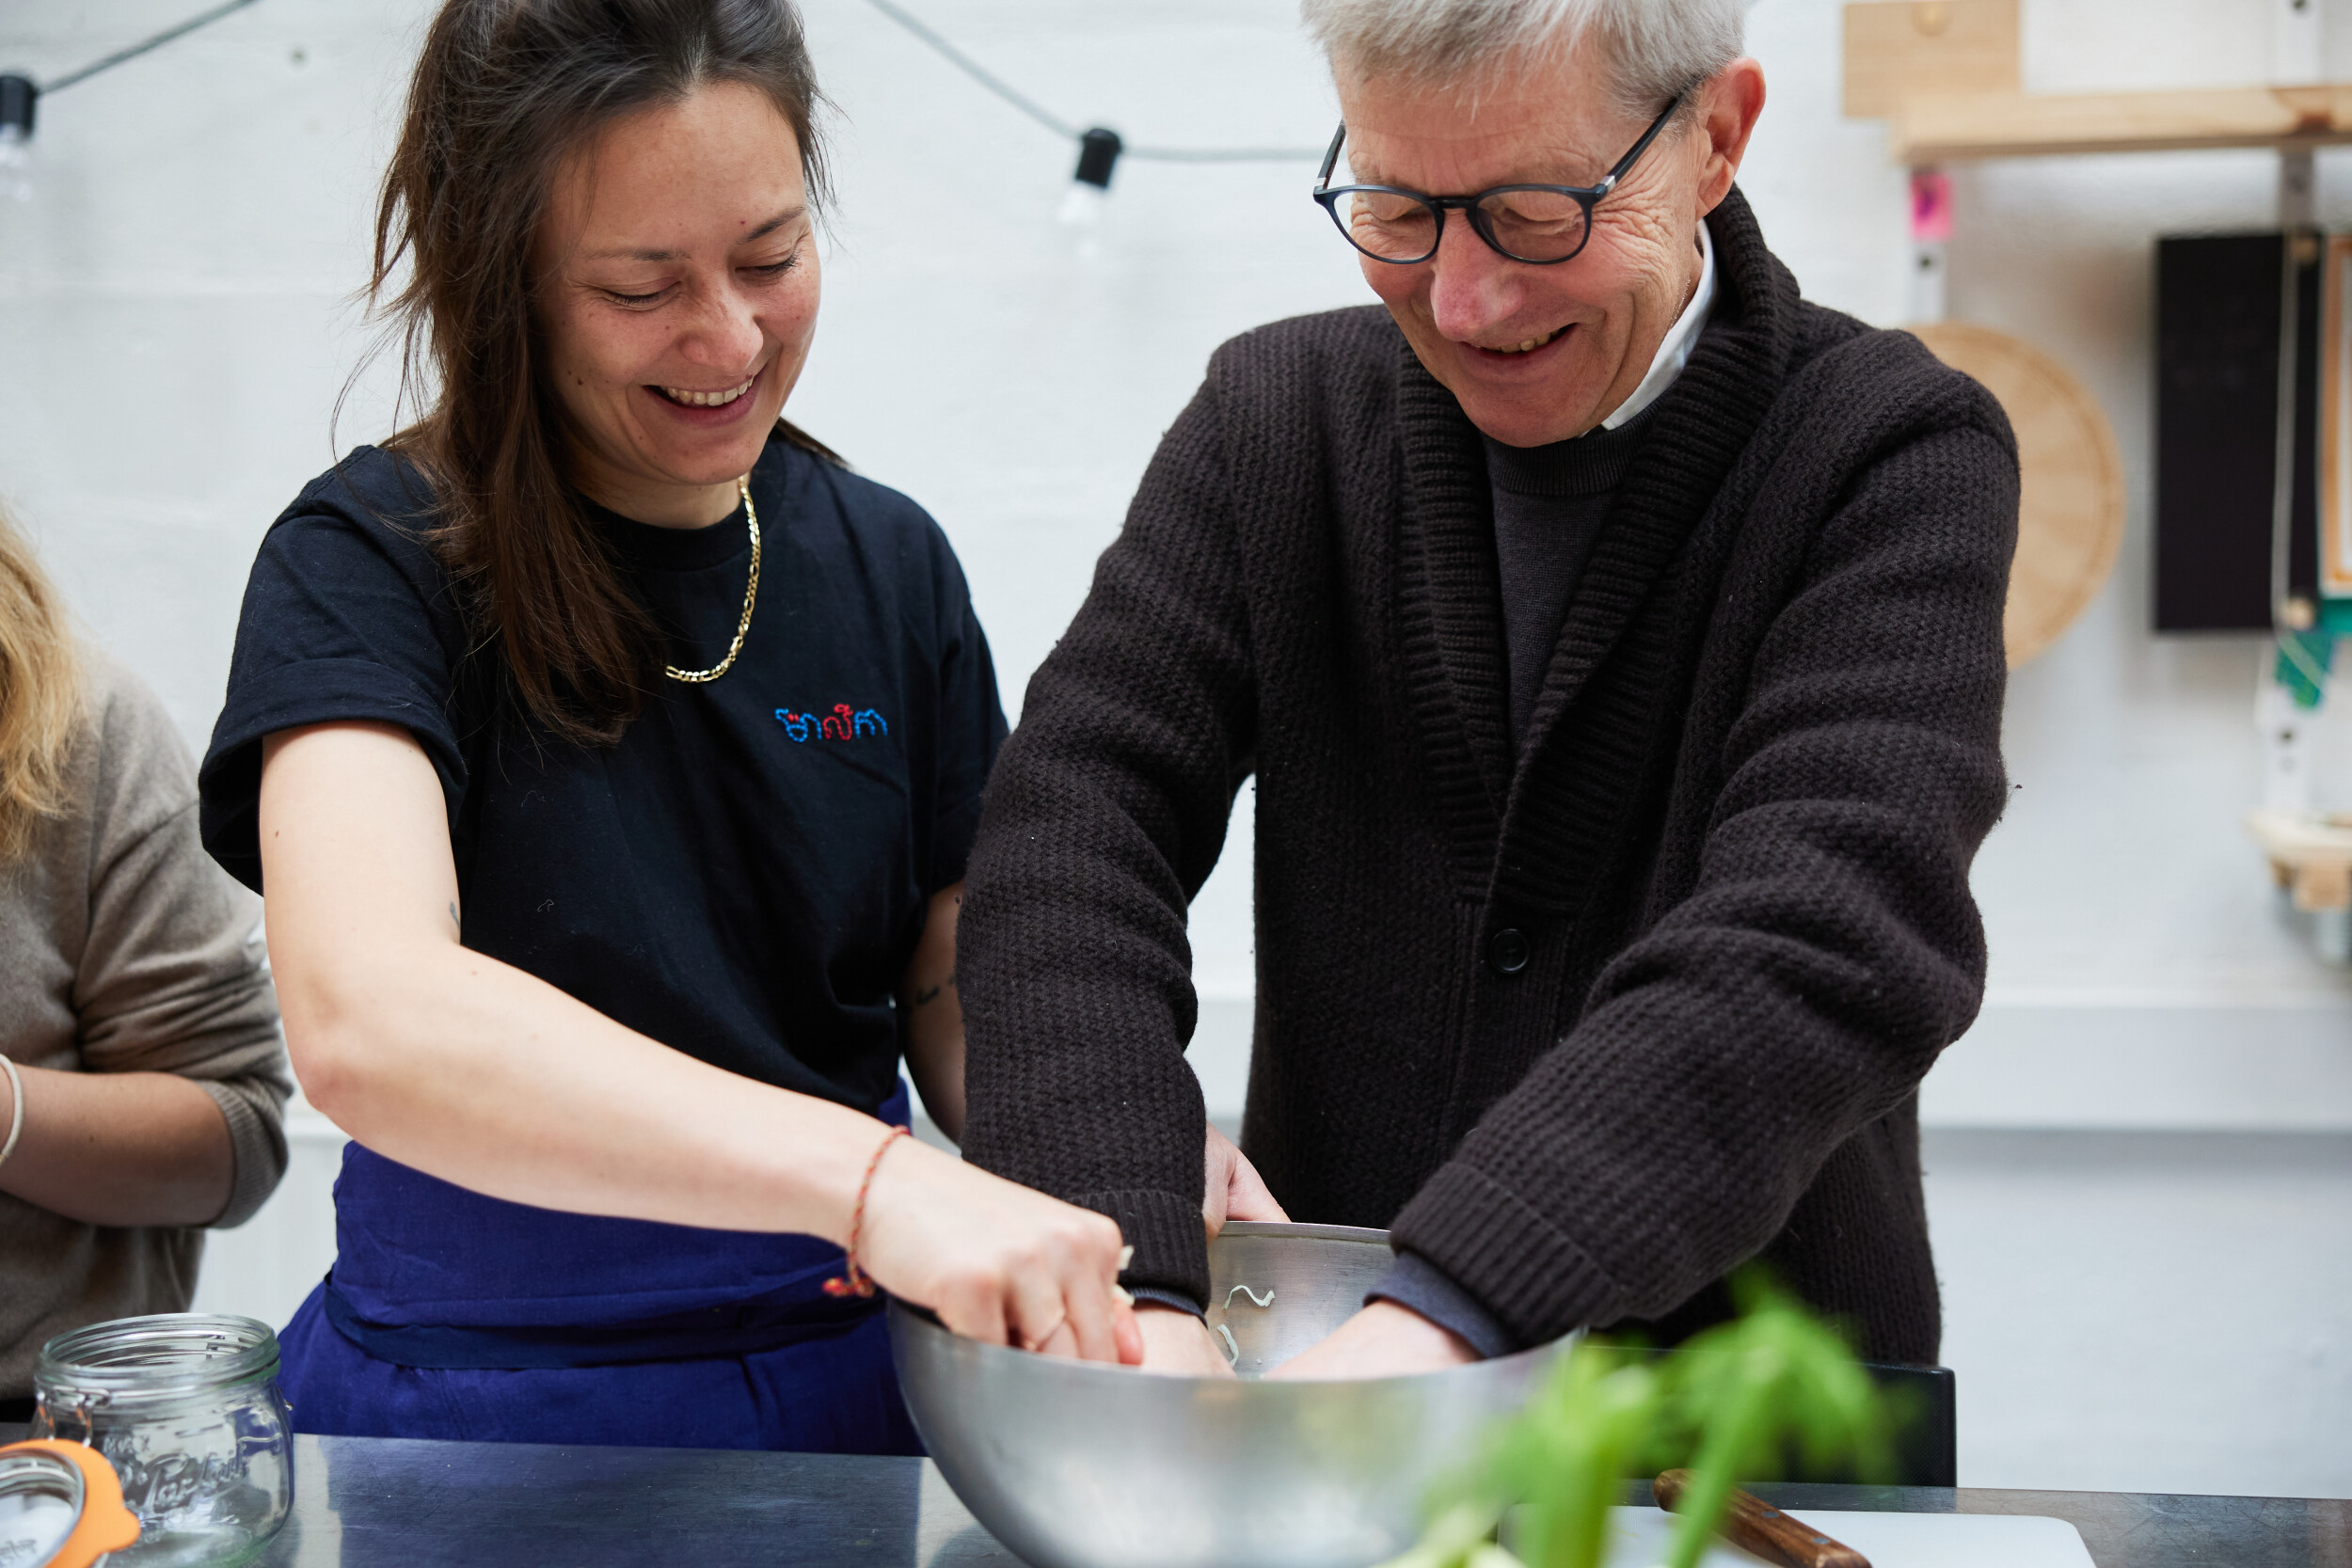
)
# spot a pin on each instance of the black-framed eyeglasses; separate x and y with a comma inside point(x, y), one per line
point(1541, 224)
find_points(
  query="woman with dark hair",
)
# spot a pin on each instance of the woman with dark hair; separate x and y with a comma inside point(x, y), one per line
point(610, 754)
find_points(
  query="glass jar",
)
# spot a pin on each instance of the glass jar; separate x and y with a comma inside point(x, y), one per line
point(185, 1406)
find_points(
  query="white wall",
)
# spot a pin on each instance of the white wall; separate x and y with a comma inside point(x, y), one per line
point(174, 307)
point(175, 297)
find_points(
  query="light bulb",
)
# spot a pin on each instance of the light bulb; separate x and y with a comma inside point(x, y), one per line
point(1082, 205)
point(16, 164)
point(18, 94)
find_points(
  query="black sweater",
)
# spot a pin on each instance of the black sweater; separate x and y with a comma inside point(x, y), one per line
point(1587, 1023)
point(1550, 503)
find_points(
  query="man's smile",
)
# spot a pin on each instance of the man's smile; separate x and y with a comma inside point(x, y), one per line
point(1524, 355)
point(1527, 346)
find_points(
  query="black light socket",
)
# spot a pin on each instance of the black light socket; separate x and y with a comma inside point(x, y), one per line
point(18, 94)
point(1098, 154)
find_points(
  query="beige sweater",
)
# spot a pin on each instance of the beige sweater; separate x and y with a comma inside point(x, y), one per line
point(123, 948)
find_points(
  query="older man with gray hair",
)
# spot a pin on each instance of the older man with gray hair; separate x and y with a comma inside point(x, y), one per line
point(1615, 638)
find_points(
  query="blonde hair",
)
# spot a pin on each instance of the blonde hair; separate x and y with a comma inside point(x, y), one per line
point(40, 705)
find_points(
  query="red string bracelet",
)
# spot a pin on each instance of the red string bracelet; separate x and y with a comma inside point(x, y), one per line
point(854, 1280)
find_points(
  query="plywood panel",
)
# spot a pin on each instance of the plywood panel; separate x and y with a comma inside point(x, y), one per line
point(1947, 46)
point(2070, 513)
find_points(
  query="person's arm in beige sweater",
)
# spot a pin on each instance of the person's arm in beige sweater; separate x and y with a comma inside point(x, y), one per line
point(172, 1113)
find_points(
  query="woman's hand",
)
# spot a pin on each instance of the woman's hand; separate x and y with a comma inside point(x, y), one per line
point(1234, 1190)
point(996, 1260)
point(1002, 1264)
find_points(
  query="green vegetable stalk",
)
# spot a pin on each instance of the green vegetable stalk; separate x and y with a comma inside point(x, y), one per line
point(1751, 1387)
point(1558, 1461)
point(1737, 1396)
point(1567, 1451)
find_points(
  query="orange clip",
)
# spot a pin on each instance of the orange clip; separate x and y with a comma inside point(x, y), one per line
point(102, 1525)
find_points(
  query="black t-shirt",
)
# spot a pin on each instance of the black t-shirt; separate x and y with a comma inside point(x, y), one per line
point(745, 875)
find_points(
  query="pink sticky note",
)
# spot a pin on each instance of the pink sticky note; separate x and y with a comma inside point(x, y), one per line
point(1930, 206)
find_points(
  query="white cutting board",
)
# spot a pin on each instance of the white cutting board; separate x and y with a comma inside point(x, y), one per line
point(1888, 1540)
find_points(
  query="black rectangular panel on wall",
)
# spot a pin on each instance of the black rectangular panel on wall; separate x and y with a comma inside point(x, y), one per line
point(2217, 323)
point(2303, 511)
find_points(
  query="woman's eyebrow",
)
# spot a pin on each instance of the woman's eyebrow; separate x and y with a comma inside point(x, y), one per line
point(788, 215)
point(634, 253)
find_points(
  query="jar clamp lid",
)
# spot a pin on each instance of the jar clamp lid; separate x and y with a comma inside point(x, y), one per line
point(60, 1506)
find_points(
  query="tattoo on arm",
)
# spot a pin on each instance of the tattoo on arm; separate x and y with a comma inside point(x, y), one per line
point(927, 994)
point(452, 916)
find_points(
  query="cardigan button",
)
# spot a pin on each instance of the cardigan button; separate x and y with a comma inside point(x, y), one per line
point(1507, 950)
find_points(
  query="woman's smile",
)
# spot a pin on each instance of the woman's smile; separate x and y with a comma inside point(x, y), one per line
point(715, 408)
point(705, 400)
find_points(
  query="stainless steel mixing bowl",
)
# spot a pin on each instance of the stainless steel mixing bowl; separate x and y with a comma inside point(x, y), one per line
point(1079, 1465)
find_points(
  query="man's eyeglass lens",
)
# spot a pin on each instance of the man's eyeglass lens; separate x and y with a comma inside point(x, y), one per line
point(1525, 225)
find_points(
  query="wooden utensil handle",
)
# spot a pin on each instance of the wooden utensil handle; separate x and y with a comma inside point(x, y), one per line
point(1756, 1526)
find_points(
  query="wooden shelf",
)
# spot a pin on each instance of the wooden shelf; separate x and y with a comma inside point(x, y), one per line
point(1944, 75)
point(1936, 128)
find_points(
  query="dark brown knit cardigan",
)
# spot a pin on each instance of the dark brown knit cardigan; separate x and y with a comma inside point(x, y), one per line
point(1733, 853)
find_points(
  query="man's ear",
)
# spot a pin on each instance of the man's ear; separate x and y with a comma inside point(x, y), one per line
point(1729, 104)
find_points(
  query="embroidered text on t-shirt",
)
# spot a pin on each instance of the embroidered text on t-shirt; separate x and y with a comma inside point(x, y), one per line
point(840, 724)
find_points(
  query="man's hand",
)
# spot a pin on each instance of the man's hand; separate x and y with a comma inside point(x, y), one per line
point(1179, 1344)
point(1175, 1342)
point(1382, 1340)
point(1234, 1190)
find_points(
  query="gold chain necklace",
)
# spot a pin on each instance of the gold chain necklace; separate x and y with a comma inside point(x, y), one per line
point(751, 594)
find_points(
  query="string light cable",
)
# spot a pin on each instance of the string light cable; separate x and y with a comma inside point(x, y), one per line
point(1100, 148)
point(20, 95)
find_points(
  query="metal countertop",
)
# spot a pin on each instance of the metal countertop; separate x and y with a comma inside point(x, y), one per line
point(372, 1502)
point(389, 1503)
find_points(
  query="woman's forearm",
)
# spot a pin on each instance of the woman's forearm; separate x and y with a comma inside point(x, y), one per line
point(118, 1149)
point(474, 1071)
point(471, 1070)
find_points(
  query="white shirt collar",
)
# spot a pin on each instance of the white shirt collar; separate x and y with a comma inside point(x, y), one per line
point(1673, 354)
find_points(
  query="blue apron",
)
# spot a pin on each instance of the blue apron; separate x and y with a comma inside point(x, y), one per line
point(452, 1315)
